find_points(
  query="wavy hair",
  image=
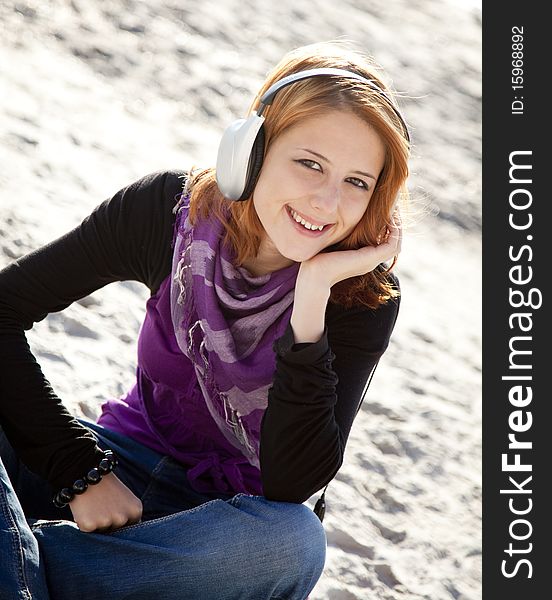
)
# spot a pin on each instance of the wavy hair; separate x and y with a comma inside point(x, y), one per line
point(293, 104)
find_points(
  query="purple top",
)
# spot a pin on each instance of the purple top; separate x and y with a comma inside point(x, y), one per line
point(165, 410)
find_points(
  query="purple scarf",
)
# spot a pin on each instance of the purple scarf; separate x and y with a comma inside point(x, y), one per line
point(226, 321)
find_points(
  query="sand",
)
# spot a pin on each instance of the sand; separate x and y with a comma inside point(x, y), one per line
point(97, 94)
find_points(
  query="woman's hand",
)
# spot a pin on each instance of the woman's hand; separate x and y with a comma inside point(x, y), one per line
point(317, 275)
point(329, 268)
point(106, 506)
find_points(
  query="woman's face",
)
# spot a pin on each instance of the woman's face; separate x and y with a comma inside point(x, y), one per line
point(322, 171)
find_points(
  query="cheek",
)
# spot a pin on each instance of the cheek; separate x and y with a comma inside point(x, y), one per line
point(260, 209)
point(355, 213)
point(353, 218)
point(267, 209)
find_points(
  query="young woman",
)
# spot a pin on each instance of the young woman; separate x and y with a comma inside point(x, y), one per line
point(270, 305)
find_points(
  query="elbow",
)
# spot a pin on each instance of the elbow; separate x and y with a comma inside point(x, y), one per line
point(280, 494)
point(288, 489)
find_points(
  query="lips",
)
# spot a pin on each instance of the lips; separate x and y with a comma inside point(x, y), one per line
point(304, 230)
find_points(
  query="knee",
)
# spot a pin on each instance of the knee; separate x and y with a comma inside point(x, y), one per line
point(299, 526)
point(294, 539)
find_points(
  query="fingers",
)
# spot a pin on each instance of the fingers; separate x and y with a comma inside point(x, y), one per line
point(393, 240)
point(397, 232)
point(110, 521)
point(117, 525)
point(106, 526)
point(101, 525)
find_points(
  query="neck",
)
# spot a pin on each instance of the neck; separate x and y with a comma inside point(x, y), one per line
point(268, 260)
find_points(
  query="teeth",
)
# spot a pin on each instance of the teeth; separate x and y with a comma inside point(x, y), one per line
point(305, 224)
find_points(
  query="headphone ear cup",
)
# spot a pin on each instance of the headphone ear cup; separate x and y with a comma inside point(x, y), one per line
point(236, 148)
point(255, 164)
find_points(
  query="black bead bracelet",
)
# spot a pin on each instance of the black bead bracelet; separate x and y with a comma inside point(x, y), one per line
point(94, 476)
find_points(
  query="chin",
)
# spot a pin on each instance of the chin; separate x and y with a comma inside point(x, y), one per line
point(298, 256)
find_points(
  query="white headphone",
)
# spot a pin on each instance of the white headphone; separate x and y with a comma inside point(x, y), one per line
point(241, 149)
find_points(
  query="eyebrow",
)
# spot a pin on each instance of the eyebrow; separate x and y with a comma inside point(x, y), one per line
point(328, 161)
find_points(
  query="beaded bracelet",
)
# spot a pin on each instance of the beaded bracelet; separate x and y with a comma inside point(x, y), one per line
point(94, 476)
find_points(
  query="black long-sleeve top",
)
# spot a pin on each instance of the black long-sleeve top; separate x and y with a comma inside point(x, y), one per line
point(316, 390)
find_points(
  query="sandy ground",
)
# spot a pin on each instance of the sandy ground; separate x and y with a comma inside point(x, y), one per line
point(97, 94)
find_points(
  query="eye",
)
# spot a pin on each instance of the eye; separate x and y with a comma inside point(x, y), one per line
point(306, 162)
point(359, 183)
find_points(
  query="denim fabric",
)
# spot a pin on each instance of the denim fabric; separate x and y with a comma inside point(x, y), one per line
point(187, 546)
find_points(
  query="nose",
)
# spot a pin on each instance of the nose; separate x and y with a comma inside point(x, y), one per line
point(326, 200)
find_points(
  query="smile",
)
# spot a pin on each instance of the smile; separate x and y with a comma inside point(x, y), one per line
point(304, 226)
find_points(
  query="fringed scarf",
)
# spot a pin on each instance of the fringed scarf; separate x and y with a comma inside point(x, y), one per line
point(226, 321)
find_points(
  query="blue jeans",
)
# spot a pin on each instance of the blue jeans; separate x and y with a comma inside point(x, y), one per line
point(187, 546)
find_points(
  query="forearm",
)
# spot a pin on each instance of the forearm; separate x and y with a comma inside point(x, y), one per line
point(301, 446)
point(45, 436)
point(316, 393)
point(309, 308)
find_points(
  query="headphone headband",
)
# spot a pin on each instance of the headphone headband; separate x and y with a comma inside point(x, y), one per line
point(268, 97)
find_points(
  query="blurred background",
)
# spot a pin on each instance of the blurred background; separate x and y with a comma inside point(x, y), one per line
point(97, 94)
